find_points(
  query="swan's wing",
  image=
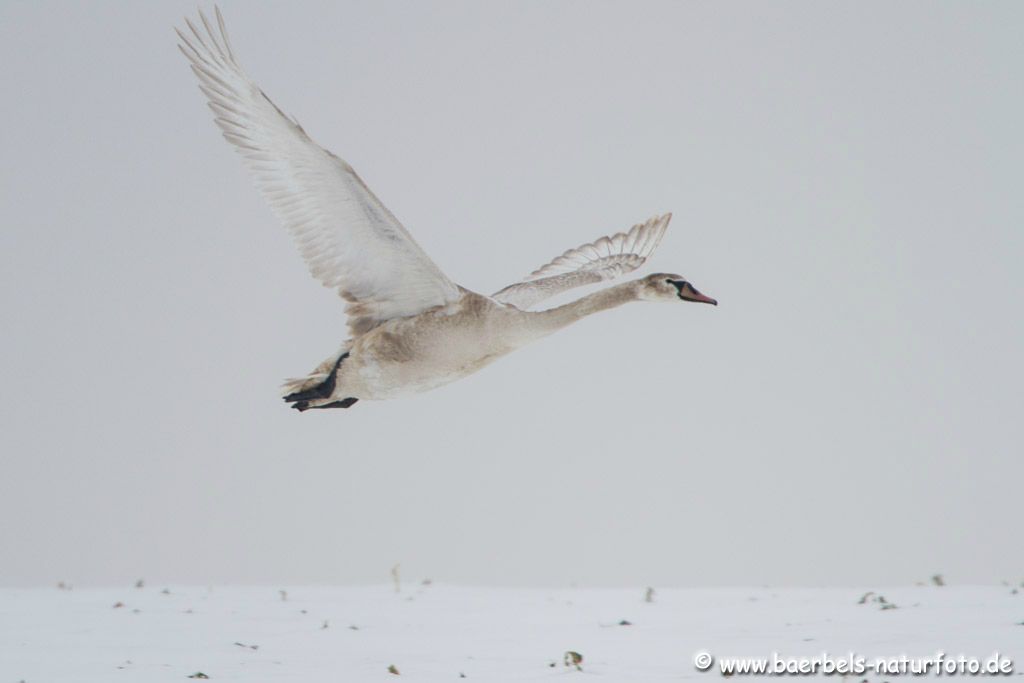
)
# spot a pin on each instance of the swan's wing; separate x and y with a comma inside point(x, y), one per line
point(603, 259)
point(349, 240)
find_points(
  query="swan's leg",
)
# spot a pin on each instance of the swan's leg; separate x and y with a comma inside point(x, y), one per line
point(322, 390)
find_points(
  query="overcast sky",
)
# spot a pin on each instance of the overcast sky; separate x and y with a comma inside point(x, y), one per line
point(846, 179)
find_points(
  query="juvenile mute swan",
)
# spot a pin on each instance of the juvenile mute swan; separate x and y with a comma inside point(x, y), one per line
point(412, 329)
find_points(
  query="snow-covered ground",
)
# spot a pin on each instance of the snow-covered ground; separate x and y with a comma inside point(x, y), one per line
point(444, 633)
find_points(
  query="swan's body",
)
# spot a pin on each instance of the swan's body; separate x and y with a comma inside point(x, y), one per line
point(412, 329)
point(415, 354)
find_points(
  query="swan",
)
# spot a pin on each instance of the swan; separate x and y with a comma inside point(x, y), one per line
point(411, 328)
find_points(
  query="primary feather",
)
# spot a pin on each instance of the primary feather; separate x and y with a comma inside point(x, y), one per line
point(348, 238)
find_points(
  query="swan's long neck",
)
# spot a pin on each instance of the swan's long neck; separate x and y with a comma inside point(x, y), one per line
point(555, 319)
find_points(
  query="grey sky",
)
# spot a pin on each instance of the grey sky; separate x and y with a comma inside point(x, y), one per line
point(845, 179)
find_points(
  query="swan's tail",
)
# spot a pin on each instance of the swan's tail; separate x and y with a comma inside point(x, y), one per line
point(294, 385)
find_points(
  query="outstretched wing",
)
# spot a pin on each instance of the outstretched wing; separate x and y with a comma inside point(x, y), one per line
point(349, 240)
point(603, 259)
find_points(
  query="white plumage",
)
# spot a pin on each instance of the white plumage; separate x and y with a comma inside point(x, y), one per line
point(604, 259)
point(412, 328)
point(350, 241)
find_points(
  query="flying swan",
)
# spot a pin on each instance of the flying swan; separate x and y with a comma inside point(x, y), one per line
point(412, 329)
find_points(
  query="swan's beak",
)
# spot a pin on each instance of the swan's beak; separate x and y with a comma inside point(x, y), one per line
point(688, 292)
point(694, 295)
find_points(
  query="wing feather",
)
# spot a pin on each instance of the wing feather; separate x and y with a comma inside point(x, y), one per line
point(603, 259)
point(348, 238)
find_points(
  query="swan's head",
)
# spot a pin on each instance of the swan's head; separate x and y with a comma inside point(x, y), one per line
point(668, 287)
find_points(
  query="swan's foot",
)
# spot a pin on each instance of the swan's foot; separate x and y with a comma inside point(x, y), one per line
point(303, 406)
point(318, 391)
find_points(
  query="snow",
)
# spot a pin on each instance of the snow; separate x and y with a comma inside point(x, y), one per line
point(432, 632)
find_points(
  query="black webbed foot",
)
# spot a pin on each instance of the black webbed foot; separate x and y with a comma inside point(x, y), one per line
point(343, 403)
point(303, 406)
point(322, 390)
